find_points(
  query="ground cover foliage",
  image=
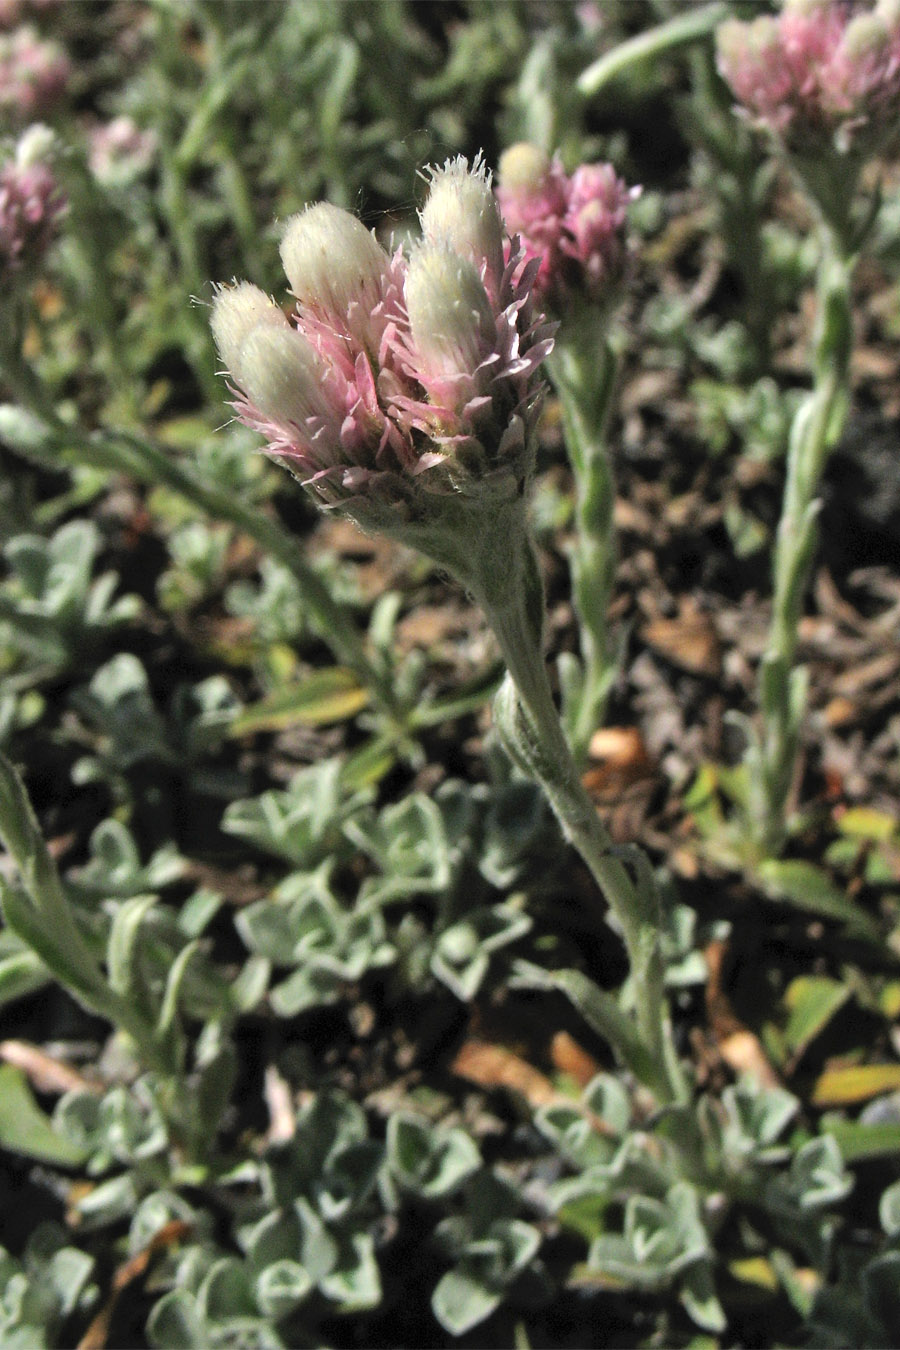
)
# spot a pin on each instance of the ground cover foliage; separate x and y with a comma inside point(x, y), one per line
point(308, 1014)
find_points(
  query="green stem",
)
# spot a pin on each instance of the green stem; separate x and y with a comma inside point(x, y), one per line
point(684, 28)
point(817, 426)
point(512, 600)
point(584, 373)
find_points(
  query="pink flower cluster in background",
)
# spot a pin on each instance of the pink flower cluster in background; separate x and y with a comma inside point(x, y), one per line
point(119, 151)
point(573, 223)
point(31, 203)
point(33, 73)
point(819, 66)
point(392, 365)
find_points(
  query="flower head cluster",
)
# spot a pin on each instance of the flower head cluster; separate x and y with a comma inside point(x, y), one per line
point(119, 151)
point(396, 378)
point(31, 202)
point(33, 73)
point(819, 68)
point(573, 223)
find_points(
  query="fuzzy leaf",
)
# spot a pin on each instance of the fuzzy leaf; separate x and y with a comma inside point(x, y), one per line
point(25, 1129)
point(332, 695)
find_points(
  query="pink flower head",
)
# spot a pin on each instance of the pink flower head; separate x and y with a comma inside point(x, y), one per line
point(395, 375)
point(33, 73)
point(119, 151)
point(821, 69)
point(31, 203)
point(573, 224)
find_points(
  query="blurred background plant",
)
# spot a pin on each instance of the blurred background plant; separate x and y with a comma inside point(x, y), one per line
point(305, 1007)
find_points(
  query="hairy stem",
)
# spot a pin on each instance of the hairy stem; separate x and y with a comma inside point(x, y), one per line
point(817, 426)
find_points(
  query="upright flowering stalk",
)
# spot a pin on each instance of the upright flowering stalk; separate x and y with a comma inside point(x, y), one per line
point(574, 225)
point(822, 78)
point(404, 391)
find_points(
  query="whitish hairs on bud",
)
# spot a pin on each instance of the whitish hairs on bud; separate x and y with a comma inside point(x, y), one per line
point(282, 375)
point(236, 311)
point(336, 268)
point(461, 214)
point(450, 315)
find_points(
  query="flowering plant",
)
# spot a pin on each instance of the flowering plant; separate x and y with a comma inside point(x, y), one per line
point(575, 226)
point(823, 77)
point(819, 66)
point(574, 223)
point(399, 382)
point(404, 391)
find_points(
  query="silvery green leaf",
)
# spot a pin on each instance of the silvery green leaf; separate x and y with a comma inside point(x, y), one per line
point(319, 1248)
point(755, 1117)
point(77, 1117)
point(24, 431)
point(698, 1294)
point(131, 1126)
point(818, 1177)
point(227, 1292)
point(276, 1237)
point(115, 869)
point(427, 1160)
point(409, 844)
point(154, 1212)
point(354, 1282)
point(605, 1097)
point(572, 1131)
point(281, 1287)
point(176, 1323)
point(889, 1209)
point(461, 1300)
point(109, 1202)
point(123, 951)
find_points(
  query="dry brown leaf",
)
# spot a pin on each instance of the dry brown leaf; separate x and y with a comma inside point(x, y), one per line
point(689, 641)
point(280, 1101)
point(572, 1059)
point(737, 1045)
point(46, 1073)
point(618, 759)
point(879, 670)
point(840, 712)
point(428, 625)
point(170, 1234)
point(743, 1052)
point(493, 1066)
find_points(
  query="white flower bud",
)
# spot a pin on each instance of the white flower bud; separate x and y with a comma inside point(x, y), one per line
point(888, 11)
point(237, 310)
point(461, 214)
point(334, 264)
point(865, 38)
point(35, 145)
point(282, 375)
point(523, 168)
point(450, 316)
